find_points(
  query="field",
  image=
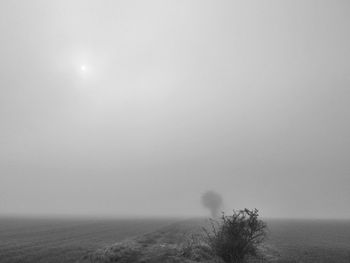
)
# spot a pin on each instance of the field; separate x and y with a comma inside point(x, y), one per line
point(63, 240)
point(48, 240)
point(322, 241)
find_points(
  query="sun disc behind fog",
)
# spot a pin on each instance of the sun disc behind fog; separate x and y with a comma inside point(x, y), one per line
point(84, 70)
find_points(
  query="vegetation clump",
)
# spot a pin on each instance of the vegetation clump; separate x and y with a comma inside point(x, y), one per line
point(237, 237)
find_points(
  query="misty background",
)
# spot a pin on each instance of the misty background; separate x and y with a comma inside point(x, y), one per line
point(131, 108)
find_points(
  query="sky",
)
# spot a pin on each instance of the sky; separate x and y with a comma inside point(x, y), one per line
point(136, 108)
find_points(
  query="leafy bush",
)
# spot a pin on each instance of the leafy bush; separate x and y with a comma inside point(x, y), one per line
point(237, 237)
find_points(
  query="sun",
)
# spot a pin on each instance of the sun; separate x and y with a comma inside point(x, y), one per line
point(83, 68)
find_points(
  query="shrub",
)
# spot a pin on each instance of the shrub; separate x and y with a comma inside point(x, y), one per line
point(237, 237)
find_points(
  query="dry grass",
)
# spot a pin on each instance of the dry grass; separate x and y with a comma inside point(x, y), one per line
point(176, 243)
point(64, 241)
point(55, 241)
point(180, 242)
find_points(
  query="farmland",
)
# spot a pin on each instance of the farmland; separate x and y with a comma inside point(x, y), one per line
point(63, 240)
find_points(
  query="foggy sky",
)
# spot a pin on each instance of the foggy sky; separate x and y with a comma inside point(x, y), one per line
point(246, 98)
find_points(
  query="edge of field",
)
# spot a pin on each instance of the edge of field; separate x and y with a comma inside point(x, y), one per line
point(178, 242)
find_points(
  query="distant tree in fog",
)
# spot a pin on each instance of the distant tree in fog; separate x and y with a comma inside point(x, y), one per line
point(212, 201)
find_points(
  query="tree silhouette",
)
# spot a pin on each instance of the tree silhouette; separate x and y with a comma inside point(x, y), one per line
point(212, 201)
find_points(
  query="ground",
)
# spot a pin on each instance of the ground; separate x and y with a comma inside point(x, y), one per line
point(179, 242)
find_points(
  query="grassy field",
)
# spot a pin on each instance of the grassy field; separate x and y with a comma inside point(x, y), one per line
point(43, 240)
point(304, 241)
point(289, 241)
point(48, 240)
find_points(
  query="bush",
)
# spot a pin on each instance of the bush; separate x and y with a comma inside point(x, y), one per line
point(237, 237)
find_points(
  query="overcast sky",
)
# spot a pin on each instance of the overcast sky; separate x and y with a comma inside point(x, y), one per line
point(138, 107)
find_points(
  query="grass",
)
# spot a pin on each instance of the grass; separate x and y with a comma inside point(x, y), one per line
point(51, 241)
point(172, 244)
point(43, 240)
point(288, 242)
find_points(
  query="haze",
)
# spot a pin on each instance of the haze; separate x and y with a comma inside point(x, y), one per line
point(136, 108)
